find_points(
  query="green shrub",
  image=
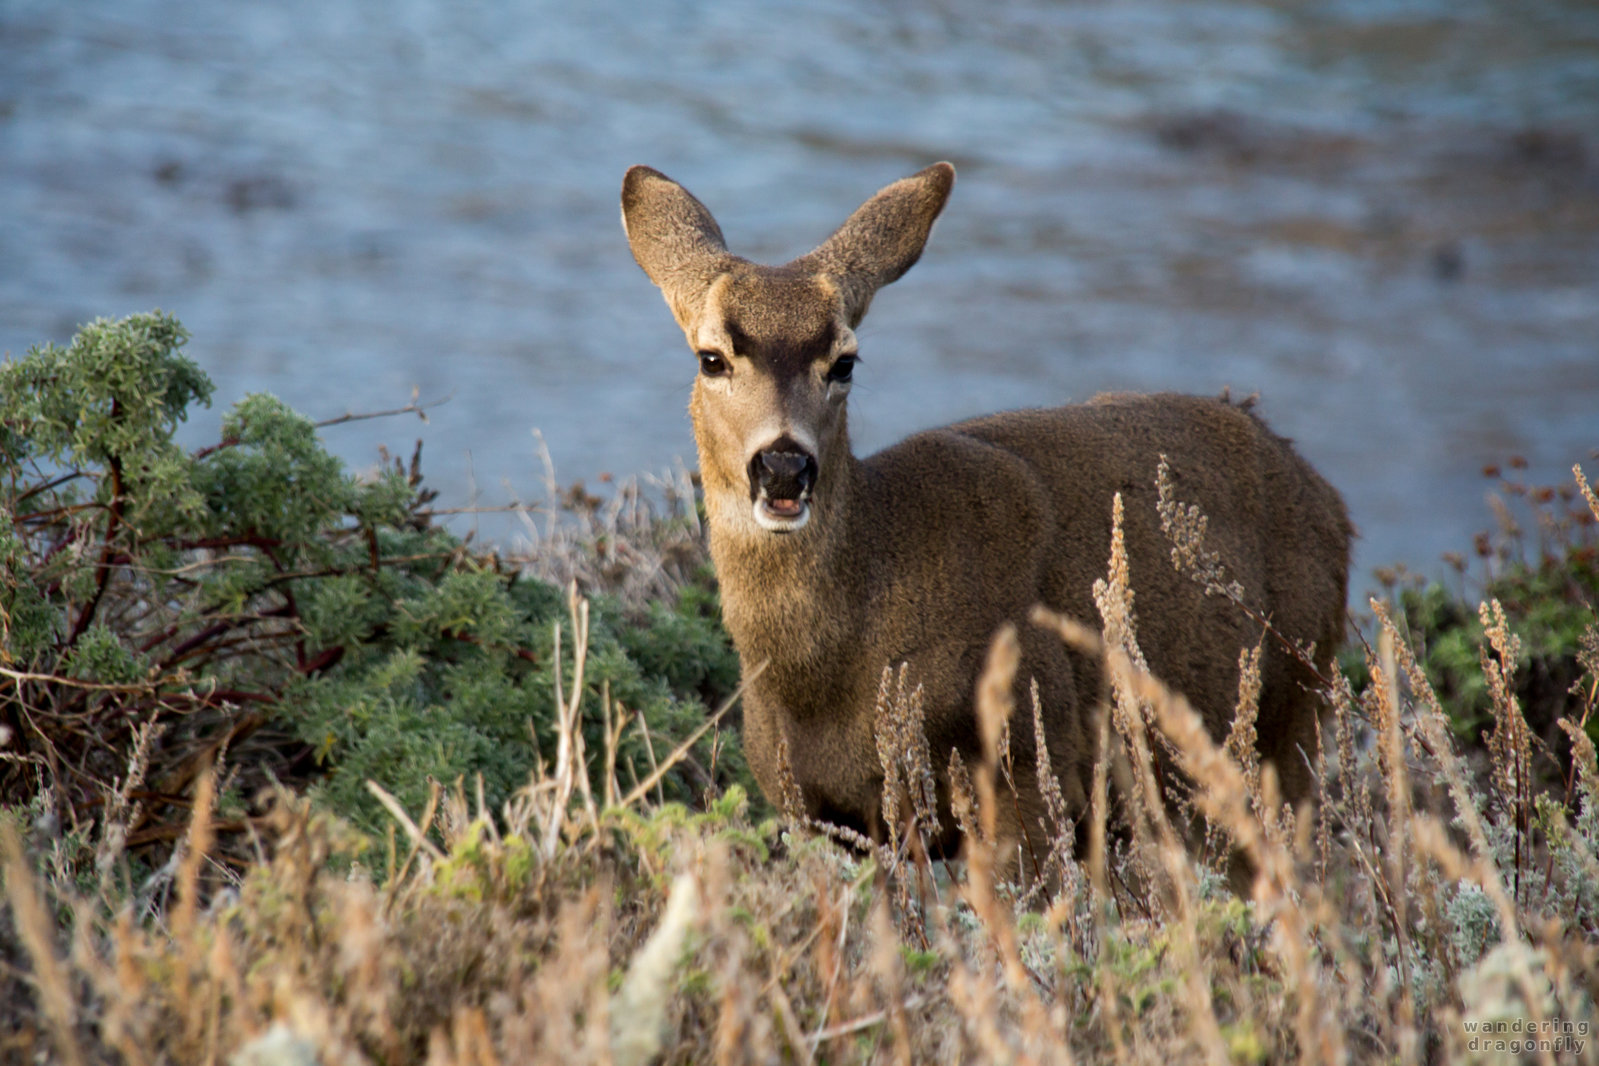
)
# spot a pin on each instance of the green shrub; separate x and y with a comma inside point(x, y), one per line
point(253, 602)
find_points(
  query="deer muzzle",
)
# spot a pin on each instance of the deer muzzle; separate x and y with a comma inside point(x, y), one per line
point(781, 478)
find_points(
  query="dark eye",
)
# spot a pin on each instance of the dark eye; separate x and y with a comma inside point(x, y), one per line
point(712, 364)
point(843, 367)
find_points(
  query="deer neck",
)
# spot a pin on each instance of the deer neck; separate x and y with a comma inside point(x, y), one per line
point(792, 598)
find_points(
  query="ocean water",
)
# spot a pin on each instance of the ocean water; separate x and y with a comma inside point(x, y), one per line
point(1383, 217)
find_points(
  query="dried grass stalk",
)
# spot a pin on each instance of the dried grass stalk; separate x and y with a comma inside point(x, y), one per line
point(37, 932)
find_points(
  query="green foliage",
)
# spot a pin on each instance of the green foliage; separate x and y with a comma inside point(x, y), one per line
point(275, 480)
point(482, 865)
point(455, 676)
point(1550, 595)
point(919, 964)
point(254, 595)
point(684, 643)
point(111, 400)
point(100, 657)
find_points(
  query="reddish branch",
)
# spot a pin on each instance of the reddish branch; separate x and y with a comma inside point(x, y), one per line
point(108, 553)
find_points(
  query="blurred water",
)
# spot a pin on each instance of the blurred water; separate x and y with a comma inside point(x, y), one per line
point(1383, 216)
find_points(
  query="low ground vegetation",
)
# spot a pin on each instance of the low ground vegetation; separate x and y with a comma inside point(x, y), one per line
point(293, 774)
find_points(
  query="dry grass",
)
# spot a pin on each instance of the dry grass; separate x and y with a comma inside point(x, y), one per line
point(580, 925)
point(640, 542)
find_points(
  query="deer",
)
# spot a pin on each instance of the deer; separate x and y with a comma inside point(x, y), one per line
point(833, 567)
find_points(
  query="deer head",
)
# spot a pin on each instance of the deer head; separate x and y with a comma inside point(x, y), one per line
point(776, 344)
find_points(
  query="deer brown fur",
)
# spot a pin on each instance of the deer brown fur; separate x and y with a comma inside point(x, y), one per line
point(833, 567)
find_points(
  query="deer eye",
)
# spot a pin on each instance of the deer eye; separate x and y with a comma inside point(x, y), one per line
point(842, 369)
point(713, 364)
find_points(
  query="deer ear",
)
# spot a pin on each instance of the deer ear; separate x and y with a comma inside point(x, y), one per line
point(883, 238)
point(673, 237)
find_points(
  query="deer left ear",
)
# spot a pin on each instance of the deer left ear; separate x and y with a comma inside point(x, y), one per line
point(883, 238)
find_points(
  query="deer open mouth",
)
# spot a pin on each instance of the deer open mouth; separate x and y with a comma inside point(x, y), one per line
point(781, 478)
point(781, 515)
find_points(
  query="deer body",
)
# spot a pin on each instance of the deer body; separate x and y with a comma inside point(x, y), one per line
point(832, 567)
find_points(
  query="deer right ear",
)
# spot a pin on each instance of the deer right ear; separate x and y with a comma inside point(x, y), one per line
point(673, 237)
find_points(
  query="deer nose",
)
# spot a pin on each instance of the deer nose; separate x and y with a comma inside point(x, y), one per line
point(784, 471)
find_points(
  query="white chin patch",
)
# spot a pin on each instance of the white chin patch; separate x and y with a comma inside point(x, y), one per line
point(771, 520)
